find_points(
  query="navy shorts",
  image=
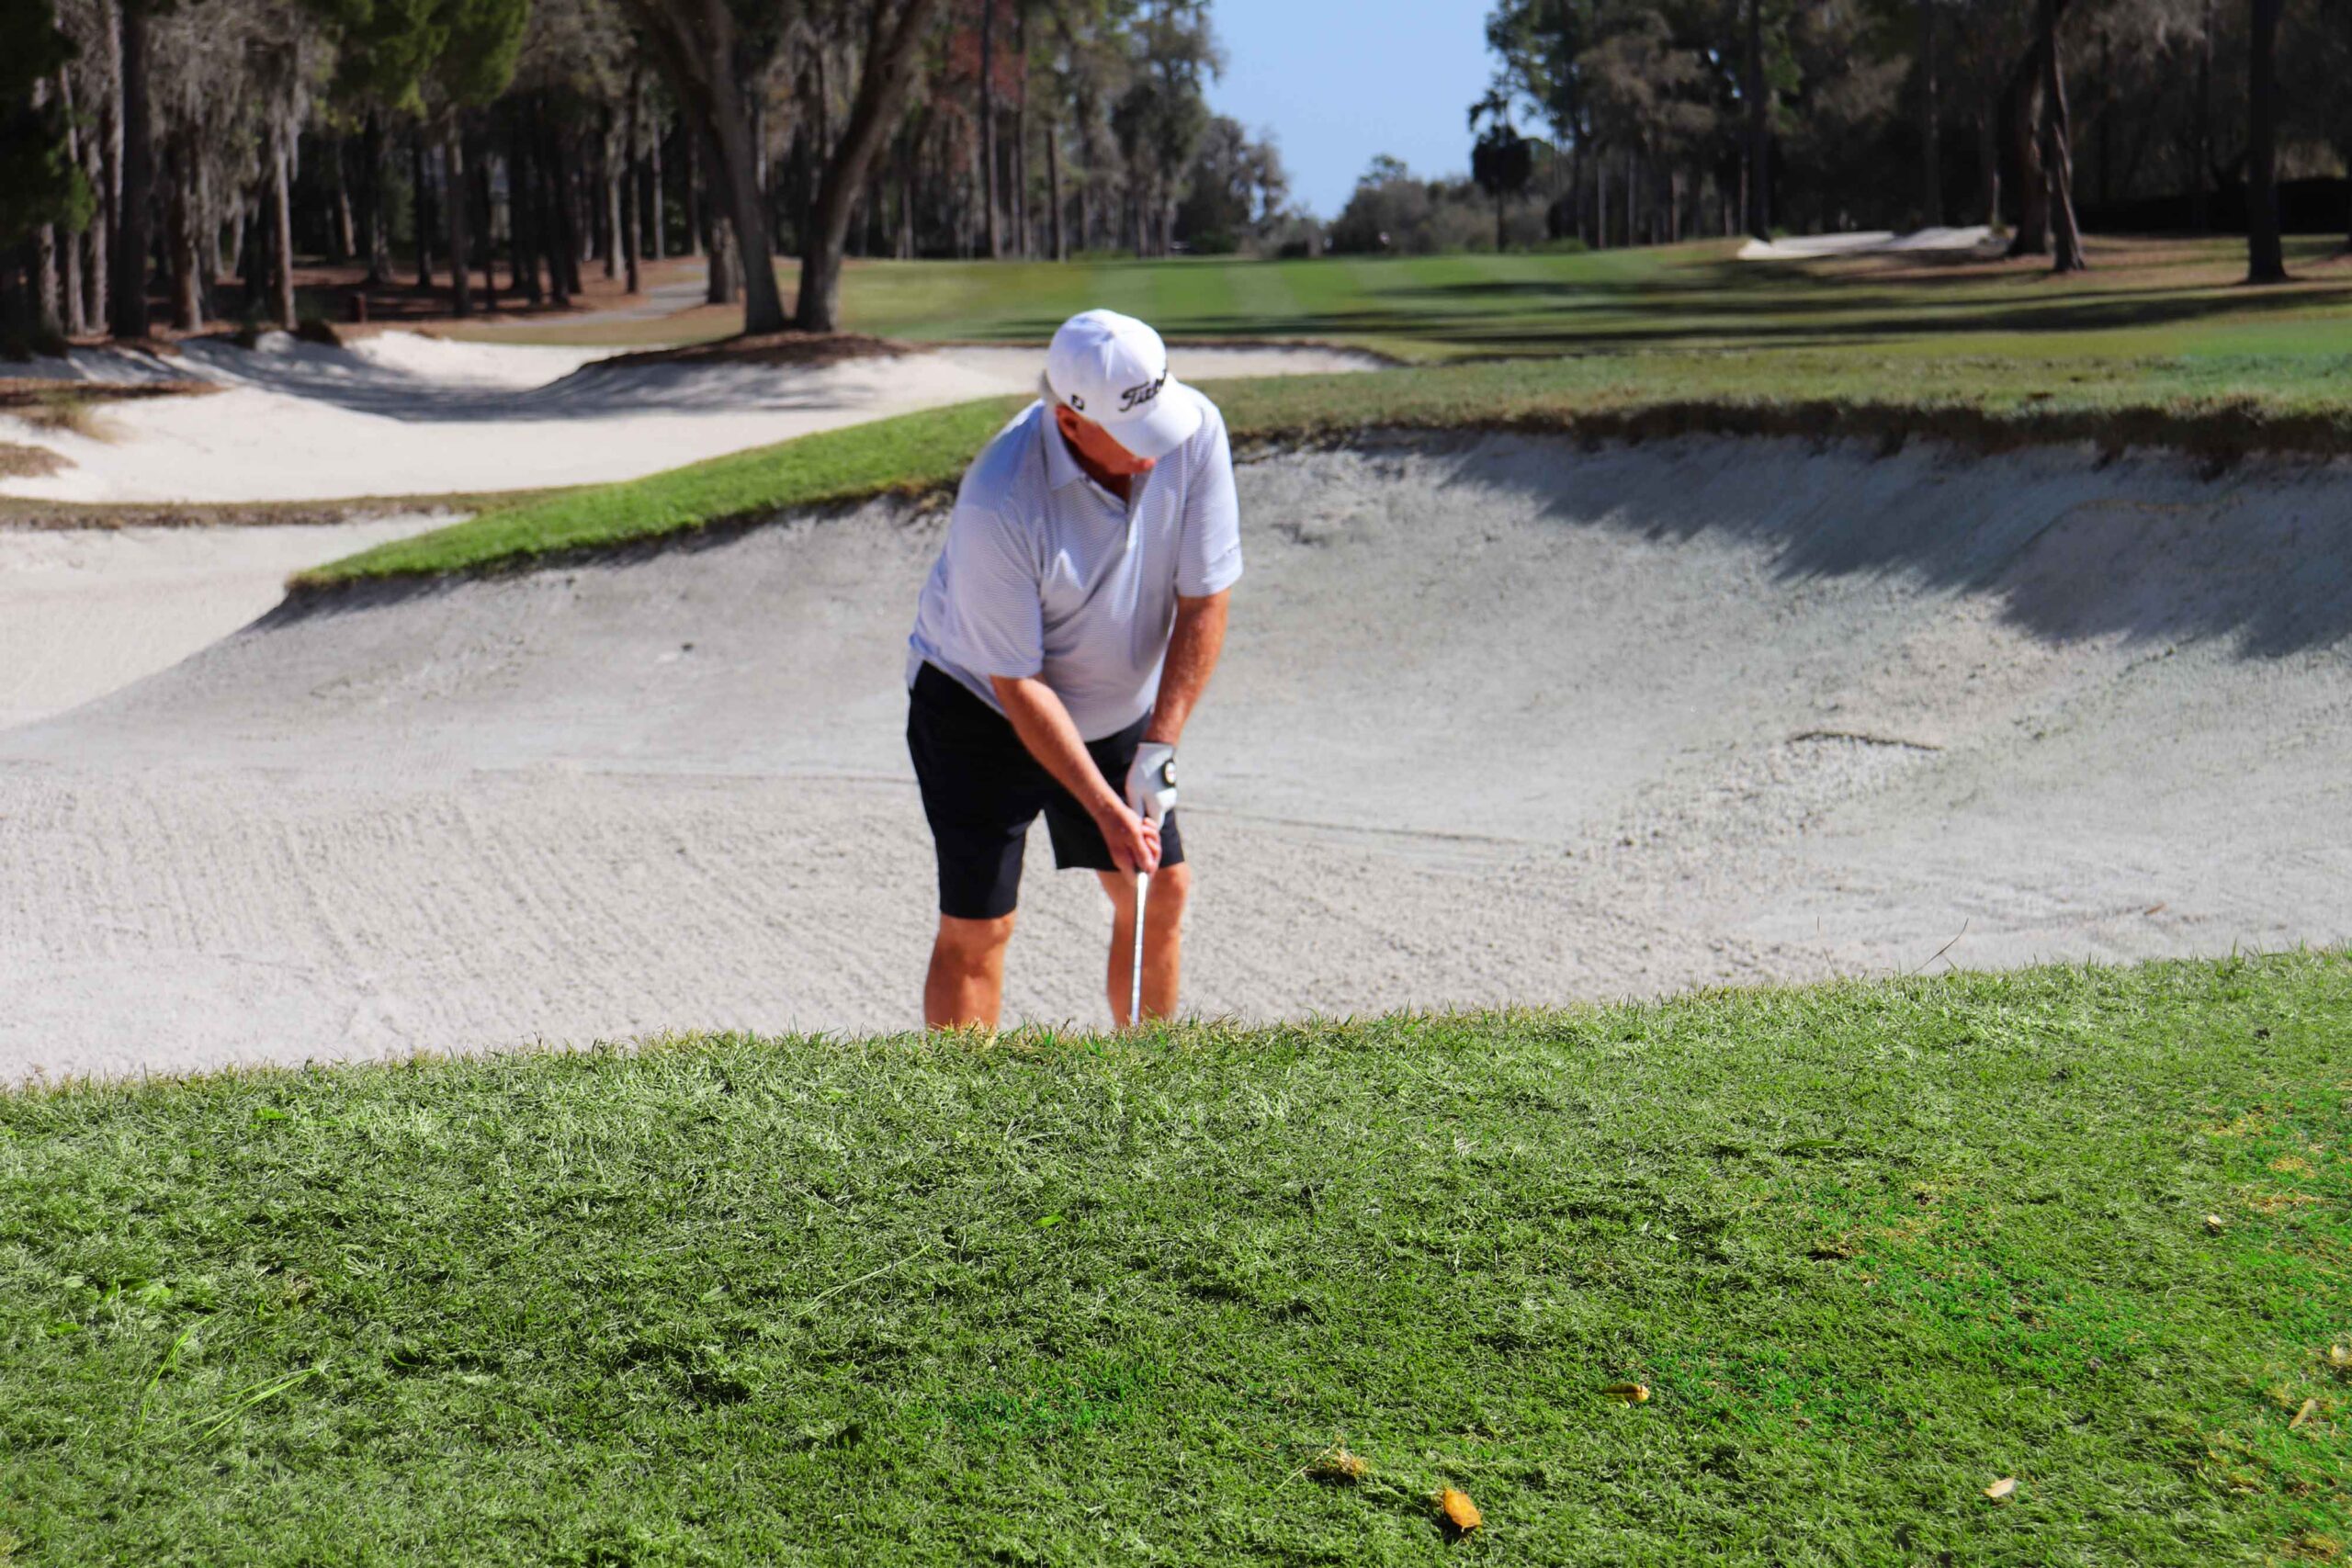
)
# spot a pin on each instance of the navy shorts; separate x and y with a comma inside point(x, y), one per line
point(981, 789)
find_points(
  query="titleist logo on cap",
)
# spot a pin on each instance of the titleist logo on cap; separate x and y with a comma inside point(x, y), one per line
point(1142, 394)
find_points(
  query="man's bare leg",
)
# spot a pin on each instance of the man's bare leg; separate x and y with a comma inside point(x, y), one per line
point(1163, 939)
point(965, 985)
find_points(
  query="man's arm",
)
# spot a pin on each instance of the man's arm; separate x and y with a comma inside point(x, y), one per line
point(1046, 730)
point(1192, 650)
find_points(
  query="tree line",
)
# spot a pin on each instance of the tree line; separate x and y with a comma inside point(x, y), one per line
point(159, 154)
point(1671, 118)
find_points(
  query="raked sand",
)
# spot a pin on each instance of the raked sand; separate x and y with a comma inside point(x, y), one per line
point(399, 413)
point(83, 611)
point(1500, 721)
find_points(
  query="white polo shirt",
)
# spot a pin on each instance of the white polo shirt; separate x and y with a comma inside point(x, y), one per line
point(1046, 573)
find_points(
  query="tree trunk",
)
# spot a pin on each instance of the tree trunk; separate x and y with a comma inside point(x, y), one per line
point(47, 316)
point(1988, 168)
point(135, 236)
point(2057, 148)
point(241, 252)
point(579, 211)
point(546, 214)
point(718, 245)
point(2106, 118)
point(422, 216)
point(2265, 256)
point(523, 209)
point(904, 249)
point(281, 212)
point(657, 215)
point(2201, 212)
point(344, 230)
point(1759, 135)
point(1054, 186)
point(375, 230)
point(209, 227)
point(562, 234)
point(689, 144)
point(1020, 131)
point(627, 216)
point(485, 236)
point(2021, 121)
point(184, 232)
point(892, 53)
point(71, 315)
point(1932, 163)
point(461, 255)
point(988, 124)
point(613, 222)
point(104, 168)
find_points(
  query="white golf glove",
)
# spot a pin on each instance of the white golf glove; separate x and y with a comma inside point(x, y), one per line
point(1151, 781)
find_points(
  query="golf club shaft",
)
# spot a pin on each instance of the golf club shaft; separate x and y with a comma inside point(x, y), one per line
point(1135, 966)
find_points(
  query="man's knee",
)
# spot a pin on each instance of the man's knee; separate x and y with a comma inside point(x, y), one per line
point(1170, 887)
point(971, 944)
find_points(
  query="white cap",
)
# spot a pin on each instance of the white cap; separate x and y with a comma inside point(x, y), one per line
point(1114, 369)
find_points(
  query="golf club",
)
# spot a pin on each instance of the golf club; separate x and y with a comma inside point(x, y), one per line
point(1135, 967)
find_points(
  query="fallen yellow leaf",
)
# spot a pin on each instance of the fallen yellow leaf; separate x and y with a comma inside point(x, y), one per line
point(2310, 1406)
point(1459, 1511)
point(2001, 1489)
point(2215, 1223)
point(1631, 1392)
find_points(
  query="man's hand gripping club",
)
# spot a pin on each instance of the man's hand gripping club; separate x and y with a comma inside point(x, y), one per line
point(1045, 728)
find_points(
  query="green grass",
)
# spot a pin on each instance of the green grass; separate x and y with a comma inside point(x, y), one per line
point(1072, 1298)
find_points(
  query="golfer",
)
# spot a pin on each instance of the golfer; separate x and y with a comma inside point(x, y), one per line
point(1075, 614)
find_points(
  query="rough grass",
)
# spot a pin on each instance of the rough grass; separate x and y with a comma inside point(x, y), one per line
point(1069, 1298)
point(20, 511)
point(21, 462)
point(909, 454)
point(68, 410)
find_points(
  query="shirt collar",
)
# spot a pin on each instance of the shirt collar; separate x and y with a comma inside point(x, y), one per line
point(1062, 469)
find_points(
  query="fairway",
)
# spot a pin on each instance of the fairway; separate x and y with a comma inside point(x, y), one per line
point(1066, 1299)
point(2144, 297)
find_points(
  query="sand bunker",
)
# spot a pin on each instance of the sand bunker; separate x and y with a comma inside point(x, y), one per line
point(399, 413)
point(1500, 721)
point(85, 610)
point(1873, 242)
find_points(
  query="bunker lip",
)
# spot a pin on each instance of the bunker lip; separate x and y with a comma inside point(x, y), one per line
point(1614, 720)
point(2216, 438)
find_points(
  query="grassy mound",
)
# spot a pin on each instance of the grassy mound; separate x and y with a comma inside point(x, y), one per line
point(2217, 412)
point(1873, 1247)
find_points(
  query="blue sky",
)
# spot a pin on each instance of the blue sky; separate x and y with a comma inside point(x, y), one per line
point(1336, 81)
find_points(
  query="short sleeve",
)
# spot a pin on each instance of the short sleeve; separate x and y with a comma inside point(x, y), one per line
point(996, 618)
point(1209, 557)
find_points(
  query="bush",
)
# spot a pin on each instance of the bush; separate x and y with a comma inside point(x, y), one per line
point(1393, 213)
